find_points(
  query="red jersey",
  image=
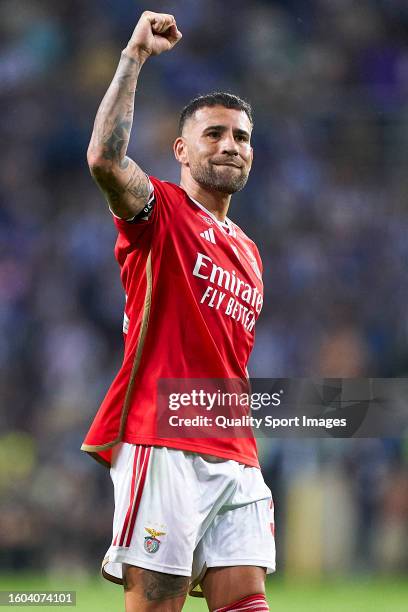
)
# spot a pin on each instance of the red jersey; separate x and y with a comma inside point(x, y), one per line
point(193, 293)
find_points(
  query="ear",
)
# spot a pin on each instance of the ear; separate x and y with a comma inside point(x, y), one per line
point(180, 151)
point(252, 155)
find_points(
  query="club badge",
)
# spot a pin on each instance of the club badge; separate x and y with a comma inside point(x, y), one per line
point(151, 543)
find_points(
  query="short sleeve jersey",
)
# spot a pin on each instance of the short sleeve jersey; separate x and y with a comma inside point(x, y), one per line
point(193, 290)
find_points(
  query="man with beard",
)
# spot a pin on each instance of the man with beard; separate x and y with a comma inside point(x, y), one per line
point(191, 513)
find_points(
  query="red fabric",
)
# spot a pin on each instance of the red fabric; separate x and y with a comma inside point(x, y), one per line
point(144, 463)
point(187, 335)
point(252, 603)
point(135, 470)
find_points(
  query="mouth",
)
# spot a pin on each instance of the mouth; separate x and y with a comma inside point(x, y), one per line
point(230, 164)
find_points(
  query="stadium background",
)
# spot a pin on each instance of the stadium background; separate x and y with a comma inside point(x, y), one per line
point(327, 203)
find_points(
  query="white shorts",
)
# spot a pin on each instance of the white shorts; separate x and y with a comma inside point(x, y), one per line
point(180, 513)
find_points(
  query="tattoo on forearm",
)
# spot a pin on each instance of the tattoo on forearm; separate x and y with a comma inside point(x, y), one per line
point(110, 140)
point(116, 142)
point(114, 119)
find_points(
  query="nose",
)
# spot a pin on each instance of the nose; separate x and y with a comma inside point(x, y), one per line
point(229, 145)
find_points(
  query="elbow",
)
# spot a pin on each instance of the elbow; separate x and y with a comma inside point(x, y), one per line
point(95, 157)
point(97, 163)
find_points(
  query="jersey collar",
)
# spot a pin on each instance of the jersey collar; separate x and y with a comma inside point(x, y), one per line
point(226, 225)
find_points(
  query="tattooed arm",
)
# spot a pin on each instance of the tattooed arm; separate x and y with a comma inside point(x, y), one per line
point(124, 184)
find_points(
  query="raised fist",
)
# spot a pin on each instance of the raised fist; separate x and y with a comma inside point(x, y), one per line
point(153, 34)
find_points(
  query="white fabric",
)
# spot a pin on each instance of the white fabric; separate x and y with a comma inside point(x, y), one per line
point(213, 514)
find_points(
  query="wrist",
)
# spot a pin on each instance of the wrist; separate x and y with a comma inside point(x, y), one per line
point(136, 55)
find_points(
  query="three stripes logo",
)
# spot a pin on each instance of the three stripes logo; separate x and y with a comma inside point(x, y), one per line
point(208, 235)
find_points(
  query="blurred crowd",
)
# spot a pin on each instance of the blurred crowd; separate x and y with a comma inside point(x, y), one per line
point(327, 204)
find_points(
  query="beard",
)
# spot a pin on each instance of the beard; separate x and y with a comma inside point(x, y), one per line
point(224, 179)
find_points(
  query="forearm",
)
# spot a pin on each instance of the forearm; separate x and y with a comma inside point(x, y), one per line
point(113, 122)
point(123, 182)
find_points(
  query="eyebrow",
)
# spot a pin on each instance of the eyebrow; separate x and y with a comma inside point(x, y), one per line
point(222, 128)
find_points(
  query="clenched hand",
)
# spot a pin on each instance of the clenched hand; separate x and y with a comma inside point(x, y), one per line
point(154, 33)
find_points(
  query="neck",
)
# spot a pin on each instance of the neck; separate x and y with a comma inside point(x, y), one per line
point(214, 201)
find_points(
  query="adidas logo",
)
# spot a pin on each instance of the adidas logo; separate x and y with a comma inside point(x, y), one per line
point(209, 235)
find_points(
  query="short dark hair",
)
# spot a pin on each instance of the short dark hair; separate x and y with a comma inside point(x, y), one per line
point(217, 98)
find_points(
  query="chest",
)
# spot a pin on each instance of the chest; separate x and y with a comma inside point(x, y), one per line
point(208, 249)
point(216, 265)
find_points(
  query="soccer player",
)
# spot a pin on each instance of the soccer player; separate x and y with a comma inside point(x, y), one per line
point(190, 513)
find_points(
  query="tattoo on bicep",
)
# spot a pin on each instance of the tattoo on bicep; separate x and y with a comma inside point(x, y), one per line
point(157, 586)
point(137, 185)
point(113, 195)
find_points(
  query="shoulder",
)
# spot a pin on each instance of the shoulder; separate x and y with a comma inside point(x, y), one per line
point(251, 249)
point(245, 238)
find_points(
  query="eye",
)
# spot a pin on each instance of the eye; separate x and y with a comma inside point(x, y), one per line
point(213, 134)
point(242, 137)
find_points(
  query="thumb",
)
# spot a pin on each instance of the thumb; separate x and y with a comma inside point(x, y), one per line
point(173, 34)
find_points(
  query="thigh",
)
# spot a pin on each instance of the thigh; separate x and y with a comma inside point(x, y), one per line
point(242, 533)
point(223, 586)
point(238, 536)
point(150, 591)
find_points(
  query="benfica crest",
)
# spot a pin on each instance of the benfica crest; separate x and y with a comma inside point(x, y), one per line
point(151, 543)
